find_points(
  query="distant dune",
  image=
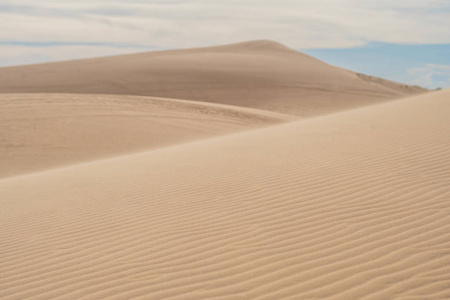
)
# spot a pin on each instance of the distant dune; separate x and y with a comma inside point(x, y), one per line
point(42, 131)
point(352, 205)
point(258, 74)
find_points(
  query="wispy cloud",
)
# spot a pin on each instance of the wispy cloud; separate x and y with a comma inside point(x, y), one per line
point(432, 75)
point(17, 54)
point(170, 24)
point(300, 24)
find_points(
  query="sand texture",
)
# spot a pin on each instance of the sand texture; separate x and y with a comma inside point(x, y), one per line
point(257, 74)
point(43, 131)
point(351, 205)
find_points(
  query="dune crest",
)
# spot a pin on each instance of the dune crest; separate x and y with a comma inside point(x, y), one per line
point(353, 205)
point(256, 74)
point(261, 45)
point(43, 131)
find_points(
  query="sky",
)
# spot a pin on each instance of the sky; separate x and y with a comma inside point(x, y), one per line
point(405, 41)
point(426, 65)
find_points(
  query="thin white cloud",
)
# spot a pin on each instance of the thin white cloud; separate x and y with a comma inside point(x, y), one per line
point(17, 55)
point(173, 24)
point(169, 24)
point(431, 76)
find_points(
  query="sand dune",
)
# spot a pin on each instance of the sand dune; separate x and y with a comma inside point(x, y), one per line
point(257, 74)
point(43, 131)
point(353, 205)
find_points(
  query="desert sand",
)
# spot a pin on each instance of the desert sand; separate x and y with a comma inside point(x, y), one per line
point(44, 131)
point(256, 74)
point(222, 201)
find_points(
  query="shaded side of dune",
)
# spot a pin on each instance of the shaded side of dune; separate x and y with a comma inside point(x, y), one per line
point(44, 131)
point(258, 74)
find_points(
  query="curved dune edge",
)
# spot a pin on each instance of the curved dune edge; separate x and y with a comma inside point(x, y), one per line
point(348, 206)
point(44, 131)
point(256, 74)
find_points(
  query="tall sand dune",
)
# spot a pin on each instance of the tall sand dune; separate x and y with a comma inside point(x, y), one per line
point(43, 131)
point(257, 74)
point(353, 205)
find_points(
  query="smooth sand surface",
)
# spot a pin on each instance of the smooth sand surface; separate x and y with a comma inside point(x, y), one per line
point(258, 74)
point(43, 131)
point(353, 205)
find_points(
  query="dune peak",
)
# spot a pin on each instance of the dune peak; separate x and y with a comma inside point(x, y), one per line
point(260, 74)
point(260, 45)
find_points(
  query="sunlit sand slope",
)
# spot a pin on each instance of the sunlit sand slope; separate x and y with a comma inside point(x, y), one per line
point(258, 74)
point(42, 131)
point(353, 205)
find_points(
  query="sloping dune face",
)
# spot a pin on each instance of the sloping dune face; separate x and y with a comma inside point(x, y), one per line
point(353, 205)
point(258, 74)
point(42, 131)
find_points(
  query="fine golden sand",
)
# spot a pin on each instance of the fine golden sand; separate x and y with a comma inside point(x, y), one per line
point(42, 131)
point(125, 197)
point(257, 74)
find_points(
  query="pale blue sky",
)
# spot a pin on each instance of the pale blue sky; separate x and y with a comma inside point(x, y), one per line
point(406, 41)
point(427, 65)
